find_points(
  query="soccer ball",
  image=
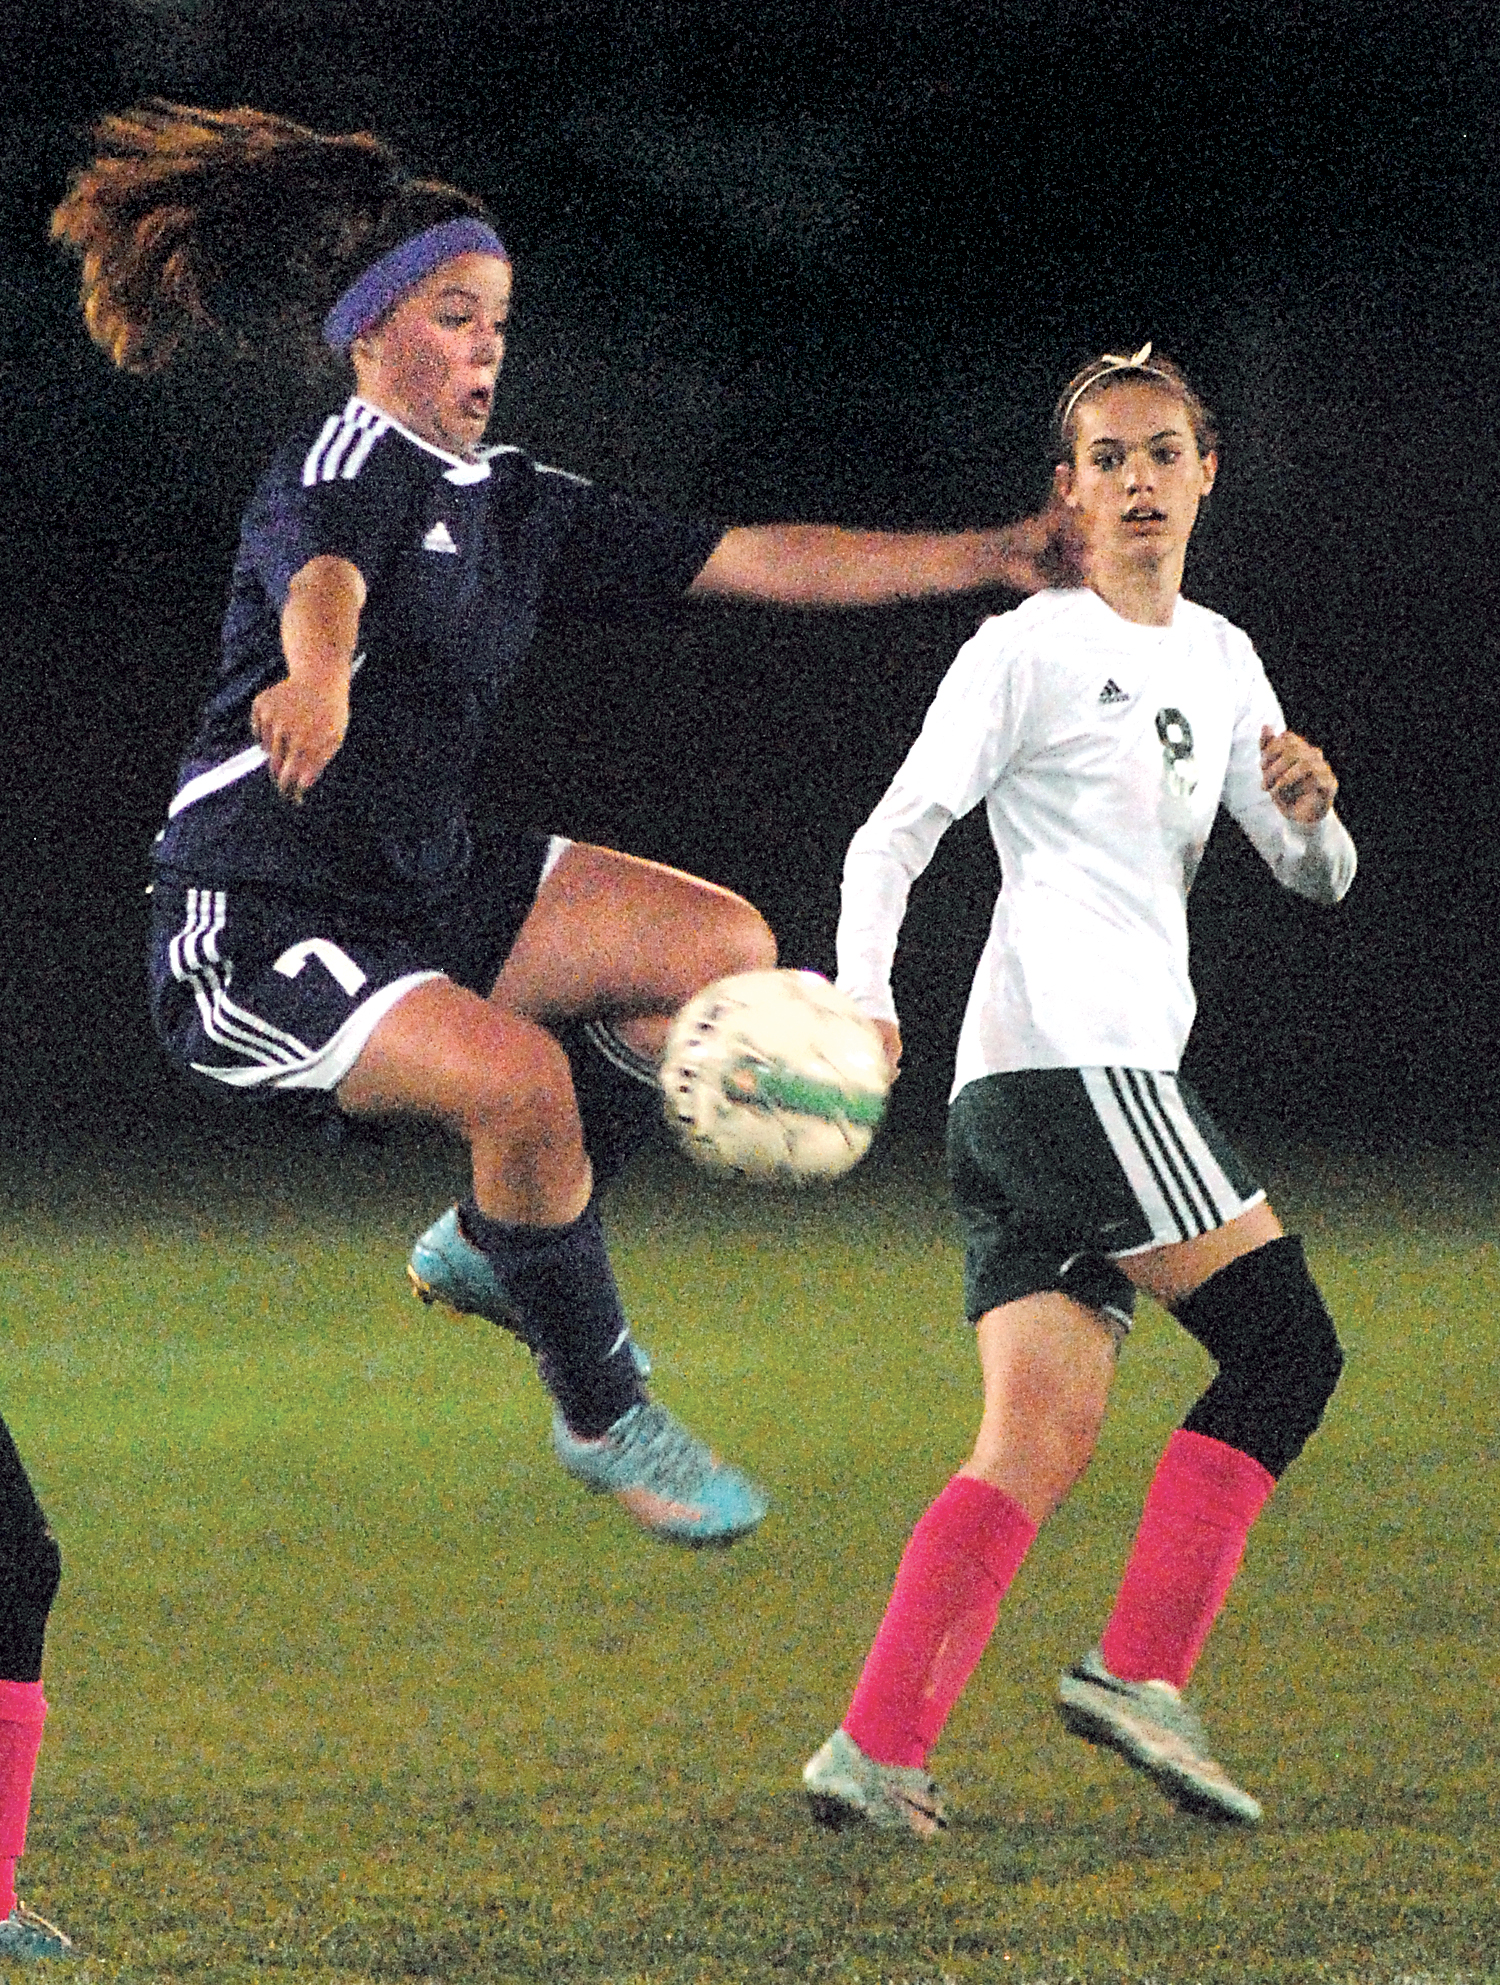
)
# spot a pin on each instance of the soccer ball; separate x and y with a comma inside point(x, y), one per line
point(774, 1075)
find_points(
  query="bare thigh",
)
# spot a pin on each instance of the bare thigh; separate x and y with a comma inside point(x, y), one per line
point(1172, 1273)
point(613, 937)
point(1048, 1364)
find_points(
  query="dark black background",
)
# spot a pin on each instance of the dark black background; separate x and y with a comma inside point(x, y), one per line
point(832, 262)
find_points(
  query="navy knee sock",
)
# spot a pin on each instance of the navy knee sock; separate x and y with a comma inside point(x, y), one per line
point(564, 1288)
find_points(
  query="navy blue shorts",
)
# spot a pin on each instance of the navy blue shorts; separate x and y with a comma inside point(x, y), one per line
point(256, 989)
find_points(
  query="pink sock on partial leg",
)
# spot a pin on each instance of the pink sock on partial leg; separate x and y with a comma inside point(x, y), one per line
point(23, 1710)
point(963, 1554)
point(1202, 1501)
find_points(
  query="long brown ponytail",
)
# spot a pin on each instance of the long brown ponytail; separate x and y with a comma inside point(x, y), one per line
point(237, 222)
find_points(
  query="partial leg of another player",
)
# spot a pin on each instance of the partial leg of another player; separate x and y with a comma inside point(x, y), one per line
point(1048, 1363)
point(1244, 1291)
point(30, 1567)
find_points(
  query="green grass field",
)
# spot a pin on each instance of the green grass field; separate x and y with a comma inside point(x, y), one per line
point(349, 1682)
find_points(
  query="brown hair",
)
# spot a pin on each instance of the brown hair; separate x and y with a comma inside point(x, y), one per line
point(1101, 373)
point(237, 222)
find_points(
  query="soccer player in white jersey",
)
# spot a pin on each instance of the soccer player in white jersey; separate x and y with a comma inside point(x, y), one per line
point(328, 923)
point(1102, 727)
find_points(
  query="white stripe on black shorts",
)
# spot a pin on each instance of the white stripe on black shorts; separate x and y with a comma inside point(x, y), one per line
point(1060, 1173)
point(1186, 1177)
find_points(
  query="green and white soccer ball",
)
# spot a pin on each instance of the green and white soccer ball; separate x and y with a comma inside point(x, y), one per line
point(774, 1076)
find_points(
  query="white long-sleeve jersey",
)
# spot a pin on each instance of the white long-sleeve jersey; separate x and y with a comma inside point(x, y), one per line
point(1102, 750)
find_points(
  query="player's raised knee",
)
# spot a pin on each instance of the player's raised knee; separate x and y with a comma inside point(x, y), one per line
point(517, 1077)
point(742, 940)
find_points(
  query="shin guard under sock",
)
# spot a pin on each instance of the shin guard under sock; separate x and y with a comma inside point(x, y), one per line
point(564, 1290)
point(962, 1556)
point(23, 1710)
point(1201, 1504)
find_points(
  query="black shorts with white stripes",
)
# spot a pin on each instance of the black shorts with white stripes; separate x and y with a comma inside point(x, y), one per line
point(1059, 1173)
point(257, 990)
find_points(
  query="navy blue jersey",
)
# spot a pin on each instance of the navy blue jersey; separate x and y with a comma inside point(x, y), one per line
point(460, 561)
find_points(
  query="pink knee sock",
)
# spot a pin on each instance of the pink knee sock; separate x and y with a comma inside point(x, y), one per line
point(1201, 1504)
point(22, 1711)
point(963, 1554)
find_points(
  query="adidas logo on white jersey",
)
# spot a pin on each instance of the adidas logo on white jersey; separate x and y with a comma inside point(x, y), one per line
point(1112, 693)
point(439, 538)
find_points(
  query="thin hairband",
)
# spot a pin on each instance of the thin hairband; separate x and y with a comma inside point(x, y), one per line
point(1110, 362)
point(376, 289)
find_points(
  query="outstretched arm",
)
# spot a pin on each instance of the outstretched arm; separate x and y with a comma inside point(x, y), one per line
point(823, 565)
point(974, 726)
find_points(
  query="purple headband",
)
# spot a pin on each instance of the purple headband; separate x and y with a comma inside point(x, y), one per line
point(378, 288)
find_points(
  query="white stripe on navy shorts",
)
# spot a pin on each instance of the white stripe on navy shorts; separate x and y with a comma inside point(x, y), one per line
point(241, 1046)
point(257, 989)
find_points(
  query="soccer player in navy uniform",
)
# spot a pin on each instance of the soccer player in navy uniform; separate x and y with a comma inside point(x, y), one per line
point(325, 919)
point(1102, 727)
point(30, 1567)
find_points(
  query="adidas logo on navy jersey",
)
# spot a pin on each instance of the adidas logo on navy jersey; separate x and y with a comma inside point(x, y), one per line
point(439, 538)
point(1112, 693)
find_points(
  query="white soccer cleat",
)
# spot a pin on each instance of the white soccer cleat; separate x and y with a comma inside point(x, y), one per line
point(1152, 1728)
point(846, 1788)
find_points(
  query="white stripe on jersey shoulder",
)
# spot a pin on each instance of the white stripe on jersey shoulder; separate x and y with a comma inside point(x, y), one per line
point(1022, 628)
point(542, 468)
point(343, 447)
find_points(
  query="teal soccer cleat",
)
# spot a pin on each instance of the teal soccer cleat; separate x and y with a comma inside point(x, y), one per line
point(446, 1268)
point(1152, 1728)
point(27, 1936)
point(846, 1788)
point(664, 1476)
